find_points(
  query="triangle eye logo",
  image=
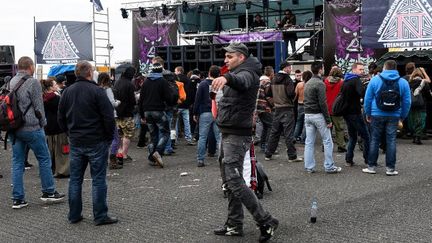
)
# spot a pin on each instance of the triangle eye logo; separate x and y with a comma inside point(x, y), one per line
point(407, 20)
point(59, 45)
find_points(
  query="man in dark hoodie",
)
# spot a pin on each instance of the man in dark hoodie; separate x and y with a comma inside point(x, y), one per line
point(153, 96)
point(352, 91)
point(124, 91)
point(283, 93)
point(234, 118)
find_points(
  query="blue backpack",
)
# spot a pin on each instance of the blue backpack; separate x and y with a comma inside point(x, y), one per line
point(388, 98)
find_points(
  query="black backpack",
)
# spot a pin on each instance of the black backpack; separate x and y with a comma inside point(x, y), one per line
point(174, 90)
point(388, 97)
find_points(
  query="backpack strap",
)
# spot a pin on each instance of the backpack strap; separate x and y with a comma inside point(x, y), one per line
point(20, 83)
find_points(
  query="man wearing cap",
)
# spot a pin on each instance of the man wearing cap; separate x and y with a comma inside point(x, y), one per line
point(283, 93)
point(234, 119)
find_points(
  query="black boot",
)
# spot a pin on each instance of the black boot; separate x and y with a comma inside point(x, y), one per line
point(113, 164)
point(417, 140)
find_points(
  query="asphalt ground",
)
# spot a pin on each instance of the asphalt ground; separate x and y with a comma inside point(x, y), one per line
point(159, 205)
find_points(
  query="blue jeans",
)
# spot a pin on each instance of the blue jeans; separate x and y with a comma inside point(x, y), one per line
point(97, 156)
point(388, 125)
point(356, 126)
point(168, 146)
point(314, 123)
point(184, 114)
point(36, 141)
point(158, 126)
point(206, 121)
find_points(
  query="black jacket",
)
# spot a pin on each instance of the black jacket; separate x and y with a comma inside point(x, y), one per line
point(124, 90)
point(202, 99)
point(352, 89)
point(51, 103)
point(236, 107)
point(86, 113)
point(154, 92)
point(188, 89)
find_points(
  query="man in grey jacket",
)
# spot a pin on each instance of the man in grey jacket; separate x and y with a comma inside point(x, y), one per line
point(32, 134)
point(318, 118)
point(234, 119)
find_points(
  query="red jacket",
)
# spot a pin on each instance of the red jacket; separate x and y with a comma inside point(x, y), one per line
point(333, 87)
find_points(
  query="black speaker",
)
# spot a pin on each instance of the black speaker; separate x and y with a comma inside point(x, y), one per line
point(242, 20)
point(253, 48)
point(218, 53)
point(162, 51)
point(267, 50)
point(318, 12)
point(176, 54)
point(190, 53)
point(205, 53)
point(7, 54)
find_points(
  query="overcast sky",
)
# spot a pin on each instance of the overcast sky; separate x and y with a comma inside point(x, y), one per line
point(16, 23)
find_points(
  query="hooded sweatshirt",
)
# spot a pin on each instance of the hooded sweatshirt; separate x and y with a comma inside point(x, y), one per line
point(333, 87)
point(153, 94)
point(124, 90)
point(236, 107)
point(283, 90)
point(370, 106)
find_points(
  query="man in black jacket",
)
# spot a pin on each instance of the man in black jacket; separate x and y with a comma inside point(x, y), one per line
point(154, 95)
point(87, 116)
point(183, 108)
point(124, 91)
point(236, 107)
point(352, 91)
point(283, 93)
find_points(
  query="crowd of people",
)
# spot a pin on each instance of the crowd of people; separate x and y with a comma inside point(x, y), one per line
point(221, 112)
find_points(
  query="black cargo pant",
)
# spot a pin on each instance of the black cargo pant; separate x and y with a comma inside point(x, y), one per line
point(233, 150)
point(283, 122)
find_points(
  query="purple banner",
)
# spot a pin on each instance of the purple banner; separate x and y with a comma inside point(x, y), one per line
point(149, 32)
point(248, 37)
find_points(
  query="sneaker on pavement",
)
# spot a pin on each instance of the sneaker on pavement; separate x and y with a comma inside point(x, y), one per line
point(268, 230)
point(229, 230)
point(17, 204)
point(391, 172)
point(310, 171)
point(52, 197)
point(158, 159)
point(191, 143)
point(28, 166)
point(267, 158)
point(333, 170)
point(295, 160)
point(200, 163)
point(128, 159)
point(369, 170)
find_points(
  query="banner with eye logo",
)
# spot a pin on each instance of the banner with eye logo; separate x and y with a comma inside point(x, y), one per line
point(153, 30)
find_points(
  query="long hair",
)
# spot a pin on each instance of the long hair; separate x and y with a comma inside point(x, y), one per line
point(47, 84)
point(104, 80)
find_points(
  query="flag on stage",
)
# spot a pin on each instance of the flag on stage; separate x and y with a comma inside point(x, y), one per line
point(97, 4)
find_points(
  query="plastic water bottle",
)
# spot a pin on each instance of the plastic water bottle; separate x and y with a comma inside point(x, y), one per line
point(314, 211)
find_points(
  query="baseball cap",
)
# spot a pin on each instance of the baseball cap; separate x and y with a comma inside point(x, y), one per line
point(237, 47)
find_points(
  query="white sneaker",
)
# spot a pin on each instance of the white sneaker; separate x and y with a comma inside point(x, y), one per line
point(369, 170)
point(391, 172)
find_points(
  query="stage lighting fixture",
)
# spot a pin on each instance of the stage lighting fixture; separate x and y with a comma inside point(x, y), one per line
point(185, 7)
point(142, 11)
point(124, 12)
point(165, 10)
point(212, 7)
point(248, 4)
point(265, 3)
point(233, 6)
point(200, 8)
